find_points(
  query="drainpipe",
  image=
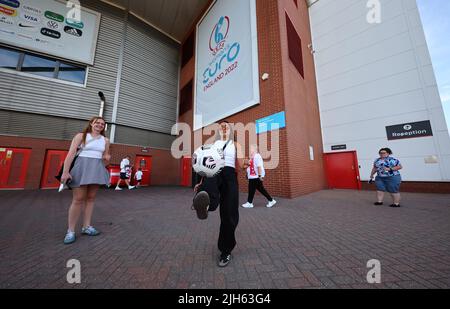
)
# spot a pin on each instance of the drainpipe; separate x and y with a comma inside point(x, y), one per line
point(102, 103)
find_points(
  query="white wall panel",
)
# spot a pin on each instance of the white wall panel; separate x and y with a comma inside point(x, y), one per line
point(370, 76)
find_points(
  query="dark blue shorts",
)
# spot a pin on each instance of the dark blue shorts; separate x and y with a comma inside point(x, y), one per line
point(390, 184)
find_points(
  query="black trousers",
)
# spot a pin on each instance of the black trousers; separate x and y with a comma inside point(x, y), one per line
point(257, 184)
point(223, 189)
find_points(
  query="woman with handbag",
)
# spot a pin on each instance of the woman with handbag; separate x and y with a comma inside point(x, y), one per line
point(87, 175)
point(224, 188)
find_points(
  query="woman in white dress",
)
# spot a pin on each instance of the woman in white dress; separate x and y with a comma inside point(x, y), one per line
point(87, 175)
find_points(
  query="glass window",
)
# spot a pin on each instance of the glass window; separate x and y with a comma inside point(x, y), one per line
point(9, 58)
point(42, 66)
point(294, 46)
point(71, 73)
point(39, 65)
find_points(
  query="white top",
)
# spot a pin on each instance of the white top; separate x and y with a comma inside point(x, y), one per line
point(229, 152)
point(252, 170)
point(94, 147)
point(123, 165)
point(138, 175)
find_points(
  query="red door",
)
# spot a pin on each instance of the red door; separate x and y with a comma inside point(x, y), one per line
point(186, 172)
point(342, 170)
point(144, 162)
point(114, 174)
point(54, 159)
point(13, 167)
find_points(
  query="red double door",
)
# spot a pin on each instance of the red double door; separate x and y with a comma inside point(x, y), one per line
point(13, 167)
point(54, 160)
point(342, 170)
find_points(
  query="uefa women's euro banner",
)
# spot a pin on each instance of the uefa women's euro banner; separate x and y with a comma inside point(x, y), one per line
point(227, 78)
point(62, 29)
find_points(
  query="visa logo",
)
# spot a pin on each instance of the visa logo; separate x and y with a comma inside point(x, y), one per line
point(31, 18)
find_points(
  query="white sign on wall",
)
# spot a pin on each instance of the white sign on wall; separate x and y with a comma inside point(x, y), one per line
point(226, 71)
point(56, 28)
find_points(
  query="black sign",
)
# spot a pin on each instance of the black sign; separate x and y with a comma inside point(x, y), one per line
point(73, 31)
point(51, 33)
point(339, 147)
point(409, 130)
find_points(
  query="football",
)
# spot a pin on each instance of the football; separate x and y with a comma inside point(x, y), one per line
point(208, 161)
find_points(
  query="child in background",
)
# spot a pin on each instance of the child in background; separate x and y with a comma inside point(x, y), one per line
point(138, 177)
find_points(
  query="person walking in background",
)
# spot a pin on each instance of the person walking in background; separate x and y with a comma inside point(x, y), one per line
point(138, 177)
point(388, 177)
point(124, 173)
point(255, 176)
point(87, 175)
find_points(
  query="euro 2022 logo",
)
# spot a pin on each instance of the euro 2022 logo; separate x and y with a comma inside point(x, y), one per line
point(223, 54)
point(219, 34)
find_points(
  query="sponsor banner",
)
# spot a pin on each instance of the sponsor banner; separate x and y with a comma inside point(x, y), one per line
point(11, 3)
point(25, 36)
point(227, 77)
point(73, 31)
point(54, 16)
point(30, 18)
point(6, 21)
point(7, 11)
point(42, 41)
point(51, 33)
point(30, 27)
point(31, 9)
point(6, 32)
point(49, 27)
point(74, 23)
point(53, 25)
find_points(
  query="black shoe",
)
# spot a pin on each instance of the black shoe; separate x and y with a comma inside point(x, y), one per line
point(224, 260)
point(201, 204)
point(378, 203)
point(395, 205)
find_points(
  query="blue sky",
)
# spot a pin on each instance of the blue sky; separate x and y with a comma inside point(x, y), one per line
point(435, 16)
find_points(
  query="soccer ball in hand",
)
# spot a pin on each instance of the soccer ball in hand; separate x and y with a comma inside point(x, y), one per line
point(208, 161)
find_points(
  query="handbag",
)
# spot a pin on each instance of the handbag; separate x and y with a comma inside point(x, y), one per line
point(80, 149)
point(59, 176)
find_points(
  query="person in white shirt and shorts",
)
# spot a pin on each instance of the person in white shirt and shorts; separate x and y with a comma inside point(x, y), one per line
point(124, 173)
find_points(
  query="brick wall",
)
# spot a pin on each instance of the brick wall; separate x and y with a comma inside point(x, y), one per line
point(271, 91)
point(165, 169)
point(301, 106)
